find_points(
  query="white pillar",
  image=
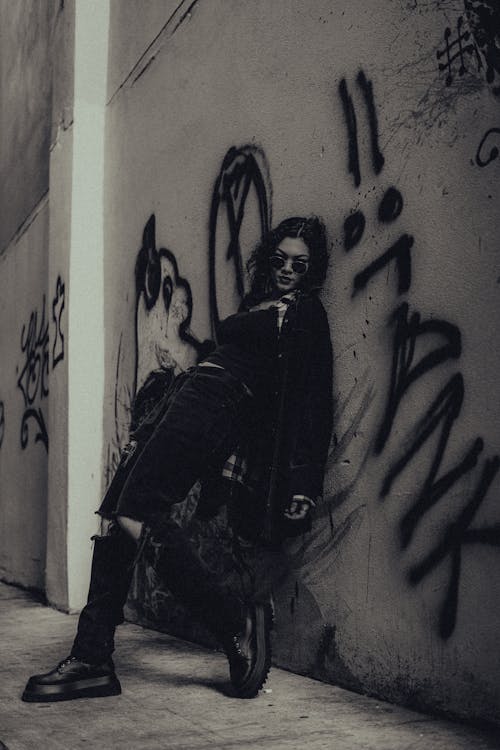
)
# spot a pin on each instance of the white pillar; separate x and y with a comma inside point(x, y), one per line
point(86, 294)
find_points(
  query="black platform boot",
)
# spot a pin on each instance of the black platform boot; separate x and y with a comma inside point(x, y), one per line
point(89, 669)
point(242, 629)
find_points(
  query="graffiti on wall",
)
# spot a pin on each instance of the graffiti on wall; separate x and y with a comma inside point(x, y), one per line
point(166, 345)
point(243, 170)
point(458, 49)
point(420, 347)
point(33, 372)
point(484, 20)
point(164, 342)
point(471, 45)
point(411, 360)
point(163, 312)
point(483, 157)
point(57, 311)
point(352, 127)
point(391, 205)
point(483, 17)
point(473, 48)
point(33, 376)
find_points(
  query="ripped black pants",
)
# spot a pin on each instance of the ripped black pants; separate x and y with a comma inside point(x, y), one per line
point(196, 429)
point(176, 561)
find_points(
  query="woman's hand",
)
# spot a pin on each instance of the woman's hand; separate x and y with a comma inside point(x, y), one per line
point(299, 508)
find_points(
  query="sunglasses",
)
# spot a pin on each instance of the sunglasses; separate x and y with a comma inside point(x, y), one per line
point(298, 266)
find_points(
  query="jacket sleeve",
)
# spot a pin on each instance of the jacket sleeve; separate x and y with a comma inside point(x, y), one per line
point(313, 426)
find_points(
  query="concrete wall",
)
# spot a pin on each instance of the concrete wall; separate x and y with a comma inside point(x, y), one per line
point(346, 112)
point(51, 162)
point(28, 303)
point(25, 83)
point(36, 166)
point(26, 323)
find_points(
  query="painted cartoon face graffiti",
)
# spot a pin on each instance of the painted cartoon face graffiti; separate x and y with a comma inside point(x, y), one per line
point(164, 344)
point(164, 308)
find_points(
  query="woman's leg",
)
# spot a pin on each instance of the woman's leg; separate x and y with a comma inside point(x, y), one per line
point(111, 575)
point(196, 433)
point(197, 430)
point(168, 548)
point(242, 628)
point(89, 670)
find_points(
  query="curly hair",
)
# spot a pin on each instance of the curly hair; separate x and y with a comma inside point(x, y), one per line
point(311, 230)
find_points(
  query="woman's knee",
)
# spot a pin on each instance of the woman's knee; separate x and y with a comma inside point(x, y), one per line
point(131, 526)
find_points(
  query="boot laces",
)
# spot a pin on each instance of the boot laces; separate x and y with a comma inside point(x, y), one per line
point(66, 662)
point(237, 645)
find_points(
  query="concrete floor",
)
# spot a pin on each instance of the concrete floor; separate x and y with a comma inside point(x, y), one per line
point(175, 695)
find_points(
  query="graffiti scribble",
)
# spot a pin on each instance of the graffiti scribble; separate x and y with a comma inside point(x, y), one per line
point(404, 373)
point(57, 310)
point(391, 204)
point(242, 169)
point(163, 312)
point(34, 343)
point(165, 344)
point(457, 534)
point(406, 370)
point(367, 89)
point(484, 19)
point(455, 51)
point(352, 128)
point(481, 159)
point(354, 226)
point(41, 435)
point(352, 132)
point(400, 253)
point(443, 411)
point(33, 378)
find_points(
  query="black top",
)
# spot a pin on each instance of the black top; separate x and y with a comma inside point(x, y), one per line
point(288, 449)
point(248, 348)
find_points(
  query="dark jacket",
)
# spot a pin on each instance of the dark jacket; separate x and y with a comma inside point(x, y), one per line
point(288, 440)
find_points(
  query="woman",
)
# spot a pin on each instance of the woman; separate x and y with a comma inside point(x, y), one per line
point(265, 392)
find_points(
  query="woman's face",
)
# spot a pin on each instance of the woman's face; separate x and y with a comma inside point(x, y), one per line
point(289, 264)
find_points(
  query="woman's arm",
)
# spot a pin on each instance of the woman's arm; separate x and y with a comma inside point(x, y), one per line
point(313, 401)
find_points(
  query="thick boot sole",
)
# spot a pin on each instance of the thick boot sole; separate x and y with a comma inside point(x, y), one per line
point(260, 670)
point(98, 687)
